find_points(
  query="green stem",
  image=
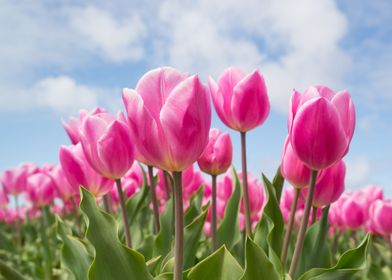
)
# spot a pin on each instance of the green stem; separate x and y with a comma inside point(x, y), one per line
point(106, 203)
point(154, 199)
point(289, 228)
point(248, 222)
point(304, 224)
point(322, 234)
point(167, 190)
point(314, 214)
point(214, 215)
point(179, 226)
point(127, 231)
point(45, 243)
point(18, 223)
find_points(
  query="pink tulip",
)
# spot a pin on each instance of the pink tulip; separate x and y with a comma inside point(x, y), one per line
point(14, 180)
point(288, 199)
point(381, 216)
point(321, 125)
point(192, 180)
point(330, 185)
point(79, 172)
point(367, 196)
point(256, 197)
point(240, 100)
point(292, 168)
point(217, 155)
point(73, 125)
point(41, 189)
point(170, 116)
point(107, 144)
point(353, 215)
point(64, 188)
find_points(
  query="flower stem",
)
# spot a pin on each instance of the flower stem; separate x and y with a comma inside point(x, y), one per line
point(214, 215)
point(167, 189)
point(154, 199)
point(45, 243)
point(290, 225)
point(124, 213)
point(179, 226)
point(106, 203)
point(248, 223)
point(304, 224)
point(314, 214)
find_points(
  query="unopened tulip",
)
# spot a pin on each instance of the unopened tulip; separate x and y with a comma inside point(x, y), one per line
point(216, 157)
point(170, 116)
point(14, 180)
point(330, 185)
point(73, 125)
point(240, 100)
point(321, 125)
point(292, 168)
point(381, 216)
point(353, 215)
point(41, 189)
point(79, 172)
point(107, 144)
point(64, 188)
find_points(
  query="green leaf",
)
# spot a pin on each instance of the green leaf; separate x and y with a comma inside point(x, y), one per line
point(112, 259)
point(221, 265)
point(272, 210)
point(10, 273)
point(350, 263)
point(269, 230)
point(164, 238)
point(194, 207)
point(257, 264)
point(74, 256)
point(192, 233)
point(278, 183)
point(153, 264)
point(228, 232)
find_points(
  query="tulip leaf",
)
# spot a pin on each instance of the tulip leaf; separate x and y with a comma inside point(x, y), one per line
point(257, 264)
point(349, 263)
point(192, 233)
point(221, 265)
point(74, 256)
point(164, 238)
point(113, 260)
point(278, 183)
point(9, 272)
point(194, 206)
point(269, 230)
point(228, 232)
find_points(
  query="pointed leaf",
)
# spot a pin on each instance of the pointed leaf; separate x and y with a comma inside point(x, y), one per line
point(124, 263)
point(257, 264)
point(221, 265)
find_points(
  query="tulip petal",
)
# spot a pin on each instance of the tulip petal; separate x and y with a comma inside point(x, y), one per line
point(156, 85)
point(186, 120)
point(317, 135)
point(346, 109)
point(249, 104)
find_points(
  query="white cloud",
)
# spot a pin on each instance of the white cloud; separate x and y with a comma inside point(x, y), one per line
point(61, 94)
point(295, 44)
point(117, 40)
point(357, 172)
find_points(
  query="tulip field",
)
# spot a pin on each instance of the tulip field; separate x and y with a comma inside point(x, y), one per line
point(151, 192)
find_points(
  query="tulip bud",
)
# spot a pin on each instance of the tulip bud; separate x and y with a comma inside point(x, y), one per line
point(217, 155)
point(240, 100)
point(321, 125)
point(381, 216)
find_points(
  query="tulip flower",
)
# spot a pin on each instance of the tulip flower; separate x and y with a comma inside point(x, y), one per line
point(41, 189)
point(108, 147)
point(321, 125)
point(216, 159)
point(353, 214)
point(14, 180)
point(170, 114)
point(64, 188)
point(79, 172)
point(242, 103)
point(381, 216)
point(73, 125)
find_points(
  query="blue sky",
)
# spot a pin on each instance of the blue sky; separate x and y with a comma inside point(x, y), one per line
point(57, 57)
